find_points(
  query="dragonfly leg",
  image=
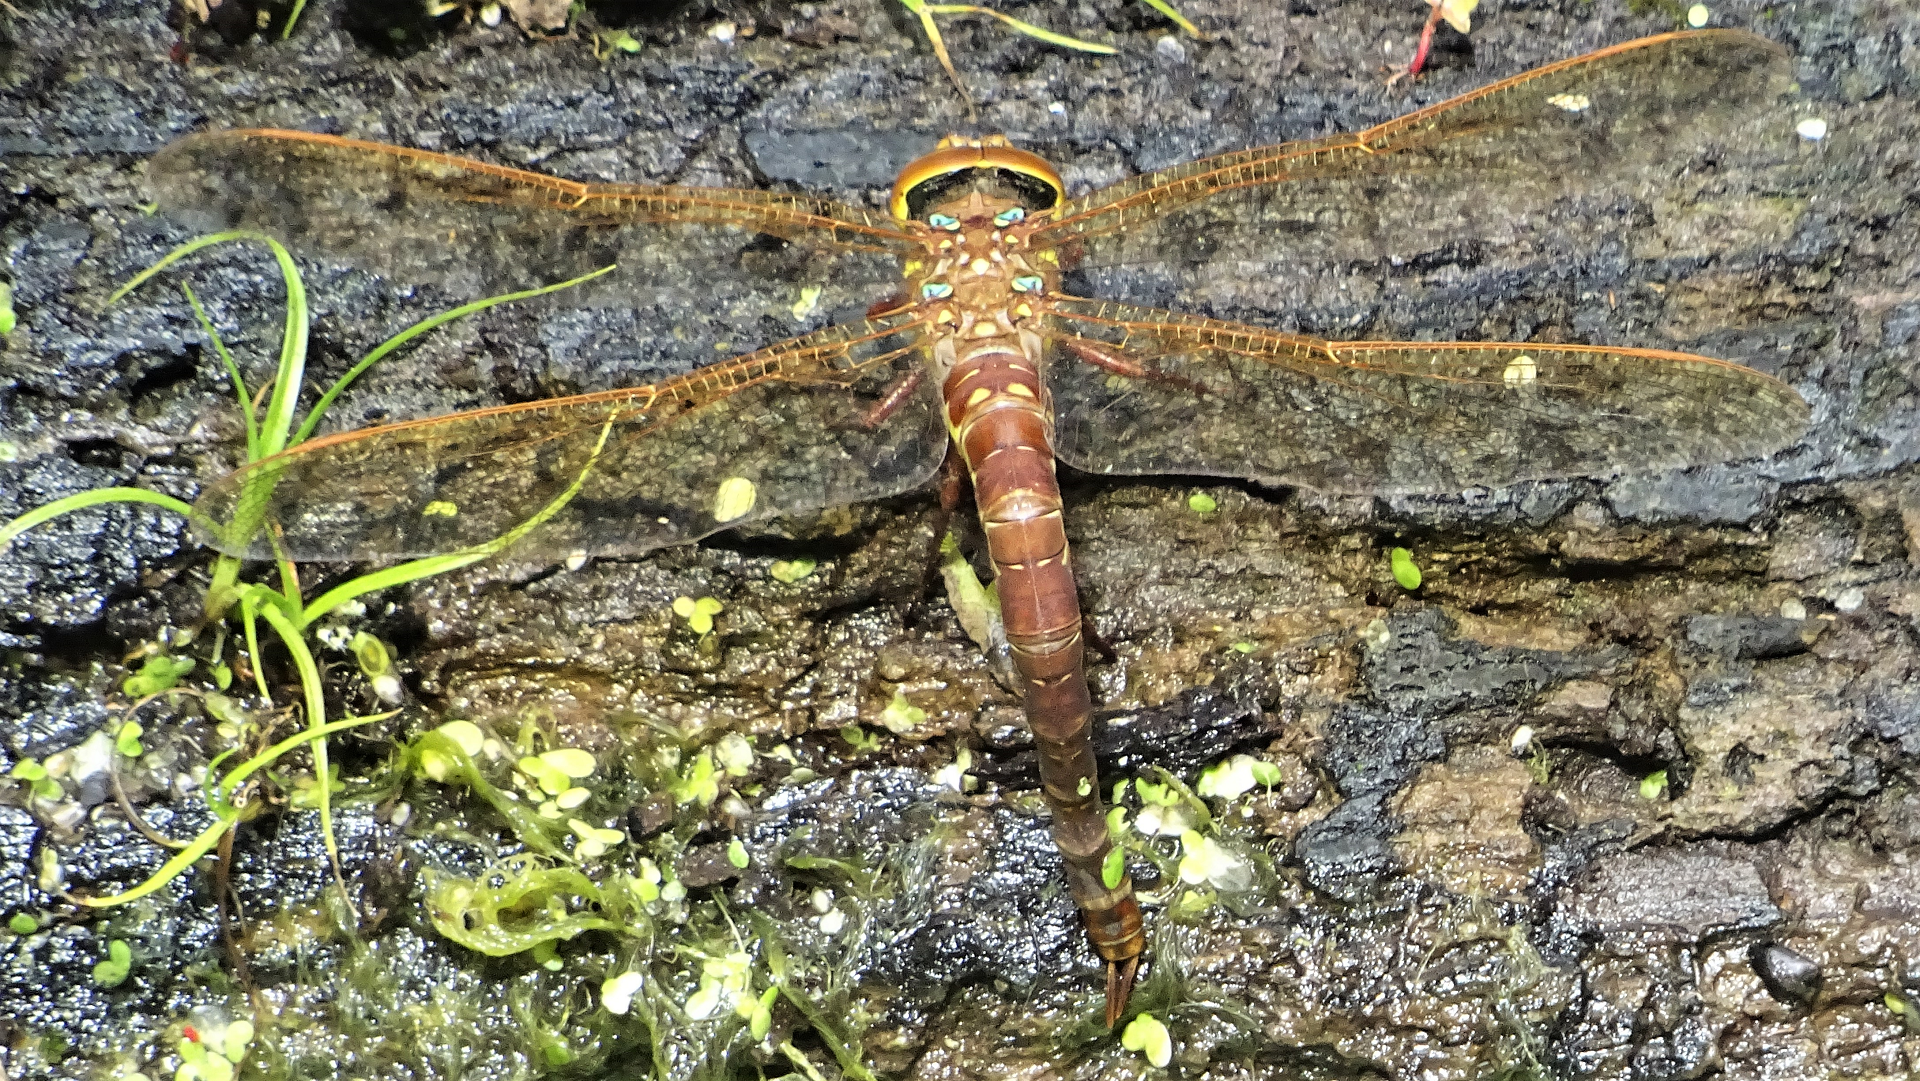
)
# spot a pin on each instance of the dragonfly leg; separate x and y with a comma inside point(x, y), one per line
point(1100, 645)
point(1111, 358)
point(890, 402)
point(889, 305)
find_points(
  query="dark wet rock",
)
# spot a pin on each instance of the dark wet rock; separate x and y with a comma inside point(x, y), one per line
point(1789, 977)
point(1348, 852)
point(1686, 895)
point(706, 865)
point(1749, 637)
point(1424, 668)
point(1713, 494)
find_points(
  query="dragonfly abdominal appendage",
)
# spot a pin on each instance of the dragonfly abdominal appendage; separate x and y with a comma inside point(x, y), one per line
point(1006, 369)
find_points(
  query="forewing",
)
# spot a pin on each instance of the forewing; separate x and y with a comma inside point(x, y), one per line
point(1528, 162)
point(689, 258)
point(774, 432)
point(1224, 399)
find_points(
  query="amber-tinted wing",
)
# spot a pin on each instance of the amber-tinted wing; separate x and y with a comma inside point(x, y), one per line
point(1394, 417)
point(1503, 165)
point(689, 259)
point(774, 432)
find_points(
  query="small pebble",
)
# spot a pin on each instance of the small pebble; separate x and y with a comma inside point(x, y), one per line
point(1170, 48)
point(1813, 129)
point(1850, 599)
point(1791, 608)
point(1697, 16)
point(1522, 741)
point(722, 32)
point(1790, 978)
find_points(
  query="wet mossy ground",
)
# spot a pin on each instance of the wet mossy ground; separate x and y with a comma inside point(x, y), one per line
point(1427, 900)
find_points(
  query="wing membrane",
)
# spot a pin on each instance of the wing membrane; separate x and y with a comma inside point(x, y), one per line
point(1394, 417)
point(1486, 168)
point(705, 264)
point(770, 433)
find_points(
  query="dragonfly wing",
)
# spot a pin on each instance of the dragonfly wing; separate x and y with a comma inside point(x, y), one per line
point(1224, 399)
point(480, 229)
point(774, 432)
point(1536, 165)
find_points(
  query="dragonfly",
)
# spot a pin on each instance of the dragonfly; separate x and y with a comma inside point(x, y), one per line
point(983, 356)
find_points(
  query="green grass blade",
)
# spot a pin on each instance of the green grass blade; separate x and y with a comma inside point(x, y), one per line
point(292, 17)
point(1024, 27)
point(291, 372)
point(1179, 20)
point(250, 623)
point(290, 636)
point(431, 565)
point(233, 372)
point(925, 15)
point(320, 407)
point(179, 253)
point(83, 500)
point(210, 836)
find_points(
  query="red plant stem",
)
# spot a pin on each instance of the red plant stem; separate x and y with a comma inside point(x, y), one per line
point(1426, 41)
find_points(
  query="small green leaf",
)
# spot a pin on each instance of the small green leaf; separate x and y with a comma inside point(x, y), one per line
point(127, 741)
point(733, 499)
point(222, 676)
point(113, 971)
point(1653, 784)
point(372, 654)
point(699, 784)
point(623, 41)
point(761, 1020)
point(159, 673)
point(7, 319)
point(1114, 867)
point(790, 571)
point(572, 762)
point(902, 716)
point(859, 738)
point(1148, 1036)
point(737, 853)
point(1243, 647)
point(1895, 1003)
point(1405, 571)
point(22, 924)
point(698, 613)
point(1201, 503)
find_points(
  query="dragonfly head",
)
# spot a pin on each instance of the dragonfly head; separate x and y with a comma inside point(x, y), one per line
point(987, 164)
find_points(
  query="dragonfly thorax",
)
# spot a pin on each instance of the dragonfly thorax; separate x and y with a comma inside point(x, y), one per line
point(978, 276)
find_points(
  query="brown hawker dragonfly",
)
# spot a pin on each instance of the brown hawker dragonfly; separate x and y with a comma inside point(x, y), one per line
point(987, 355)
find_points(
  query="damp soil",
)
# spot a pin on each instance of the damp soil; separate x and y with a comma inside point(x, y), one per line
point(1628, 787)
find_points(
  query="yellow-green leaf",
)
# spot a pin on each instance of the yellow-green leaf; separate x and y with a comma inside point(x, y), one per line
point(733, 499)
point(1405, 570)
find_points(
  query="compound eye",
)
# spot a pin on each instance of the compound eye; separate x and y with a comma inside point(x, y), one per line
point(935, 291)
point(944, 221)
point(1010, 216)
